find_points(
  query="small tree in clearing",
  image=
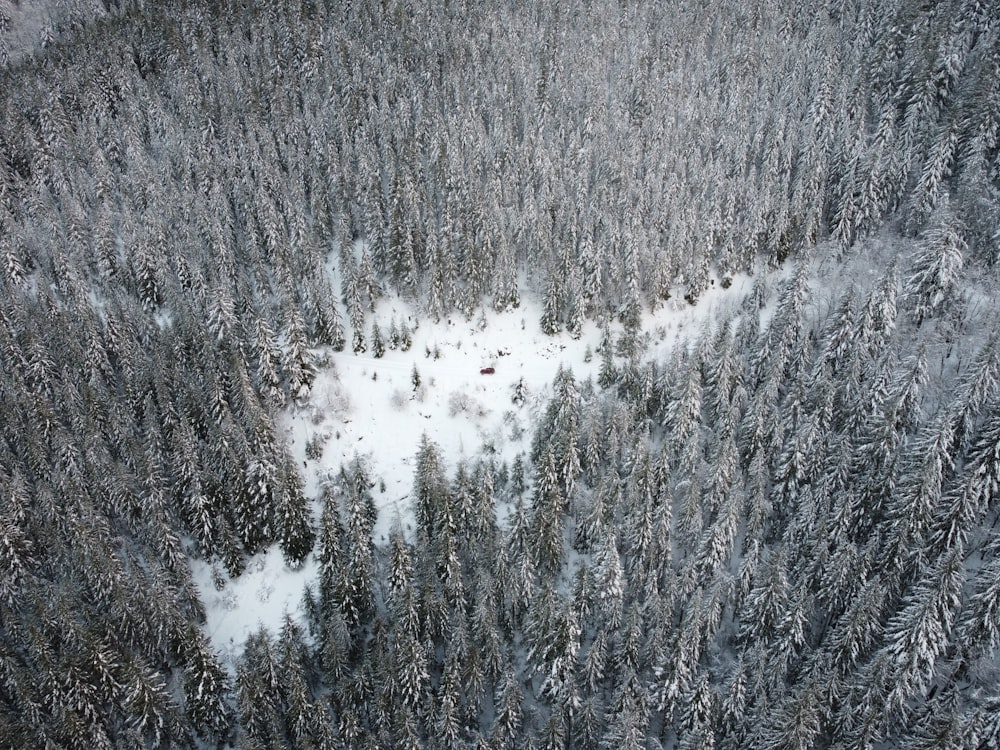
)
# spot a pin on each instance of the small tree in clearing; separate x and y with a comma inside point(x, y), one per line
point(378, 342)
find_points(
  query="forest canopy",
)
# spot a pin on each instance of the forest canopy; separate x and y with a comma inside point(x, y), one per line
point(784, 535)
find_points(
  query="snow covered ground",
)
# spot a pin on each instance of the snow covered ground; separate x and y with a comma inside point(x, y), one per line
point(367, 407)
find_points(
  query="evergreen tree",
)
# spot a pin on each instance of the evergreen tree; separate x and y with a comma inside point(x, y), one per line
point(355, 309)
point(936, 267)
point(768, 599)
point(976, 387)
point(979, 625)
point(256, 504)
point(16, 548)
point(294, 529)
point(699, 717)
point(798, 721)
point(486, 632)
point(206, 687)
point(922, 481)
point(610, 580)
point(327, 322)
point(357, 592)
point(297, 363)
point(506, 296)
point(964, 505)
point(268, 362)
point(448, 730)
point(941, 726)
point(734, 701)
point(860, 626)
point(509, 716)
point(378, 342)
point(149, 704)
point(551, 321)
point(430, 490)
point(919, 632)
point(258, 696)
point(608, 374)
point(629, 716)
point(547, 516)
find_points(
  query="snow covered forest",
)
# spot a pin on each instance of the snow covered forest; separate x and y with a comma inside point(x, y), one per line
point(780, 531)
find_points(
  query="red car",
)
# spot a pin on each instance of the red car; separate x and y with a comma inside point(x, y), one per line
point(487, 371)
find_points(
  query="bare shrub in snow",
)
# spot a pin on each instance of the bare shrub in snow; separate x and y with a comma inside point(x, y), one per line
point(332, 399)
point(399, 400)
point(461, 402)
point(512, 422)
point(493, 440)
point(218, 577)
point(458, 402)
point(314, 446)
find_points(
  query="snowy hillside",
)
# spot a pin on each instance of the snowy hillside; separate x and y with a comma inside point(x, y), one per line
point(568, 374)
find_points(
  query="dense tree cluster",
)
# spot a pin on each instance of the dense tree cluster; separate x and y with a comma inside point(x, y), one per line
point(469, 144)
point(781, 536)
point(784, 536)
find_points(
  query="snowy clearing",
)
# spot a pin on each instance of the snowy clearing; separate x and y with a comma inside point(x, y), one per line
point(366, 407)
